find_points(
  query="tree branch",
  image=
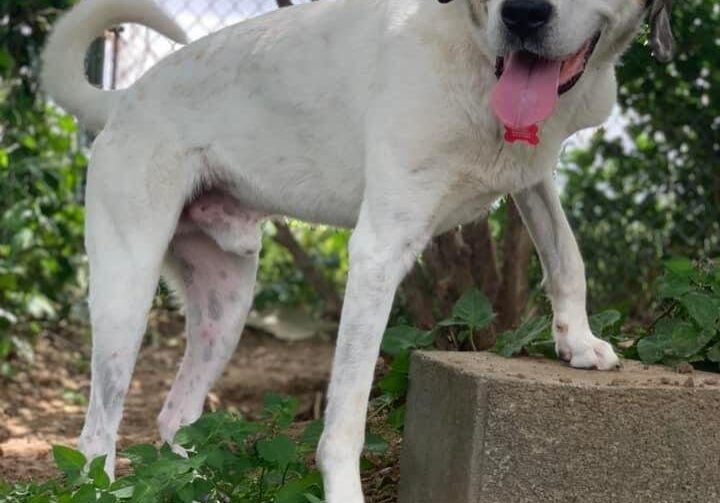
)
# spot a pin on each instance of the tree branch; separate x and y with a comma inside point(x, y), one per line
point(325, 289)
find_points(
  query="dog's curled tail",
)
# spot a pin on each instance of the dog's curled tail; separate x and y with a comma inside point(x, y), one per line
point(63, 76)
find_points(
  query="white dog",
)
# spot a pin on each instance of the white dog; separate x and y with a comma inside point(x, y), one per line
point(400, 118)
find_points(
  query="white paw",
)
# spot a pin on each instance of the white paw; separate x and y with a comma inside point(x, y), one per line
point(584, 351)
point(344, 496)
point(341, 478)
point(179, 450)
point(342, 485)
point(97, 446)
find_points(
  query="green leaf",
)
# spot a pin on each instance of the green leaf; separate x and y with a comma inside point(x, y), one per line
point(395, 383)
point(313, 432)
point(672, 286)
point(282, 409)
point(402, 339)
point(97, 473)
point(279, 450)
point(202, 489)
point(375, 443)
point(144, 492)
point(69, 461)
point(681, 266)
point(142, 454)
point(603, 322)
point(651, 349)
point(216, 457)
point(123, 488)
point(86, 494)
point(713, 354)
point(292, 492)
point(703, 308)
point(396, 418)
point(6, 61)
point(687, 340)
point(186, 493)
point(304, 490)
point(512, 342)
point(297, 491)
point(673, 339)
point(474, 309)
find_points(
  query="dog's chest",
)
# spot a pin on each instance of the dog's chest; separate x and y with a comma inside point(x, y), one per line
point(475, 186)
point(480, 162)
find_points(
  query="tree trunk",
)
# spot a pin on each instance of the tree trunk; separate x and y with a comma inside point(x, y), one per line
point(314, 276)
point(478, 237)
point(417, 298)
point(517, 252)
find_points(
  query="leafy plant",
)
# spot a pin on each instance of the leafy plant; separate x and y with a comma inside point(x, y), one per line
point(534, 336)
point(41, 181)
point(688, 329)
point(228, 459)
point(398, 343)
point(472, 312)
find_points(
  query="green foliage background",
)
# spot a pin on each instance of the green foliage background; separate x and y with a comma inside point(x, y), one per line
point(41, 174)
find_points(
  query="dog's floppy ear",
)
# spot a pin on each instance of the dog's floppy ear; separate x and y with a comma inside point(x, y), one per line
point(662, 39)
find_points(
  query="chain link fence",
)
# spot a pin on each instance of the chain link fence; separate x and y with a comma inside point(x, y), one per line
point(131, 50)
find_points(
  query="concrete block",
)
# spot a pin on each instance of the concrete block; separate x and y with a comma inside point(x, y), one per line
point(485, 429)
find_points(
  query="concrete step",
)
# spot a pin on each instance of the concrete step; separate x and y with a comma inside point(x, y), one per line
point(484, 429)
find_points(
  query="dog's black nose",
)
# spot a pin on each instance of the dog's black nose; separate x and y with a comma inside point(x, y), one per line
point(525, 18)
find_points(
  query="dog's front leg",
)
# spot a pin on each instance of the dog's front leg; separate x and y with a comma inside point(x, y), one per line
point(382, 250)
point(564, 270)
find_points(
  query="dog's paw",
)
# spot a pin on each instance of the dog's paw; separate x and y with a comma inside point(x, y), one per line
point(97, 446)
point(341, 473)
point(345, 496)
point(586, 351)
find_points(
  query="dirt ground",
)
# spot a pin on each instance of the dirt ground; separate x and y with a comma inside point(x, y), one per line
point(44, 403)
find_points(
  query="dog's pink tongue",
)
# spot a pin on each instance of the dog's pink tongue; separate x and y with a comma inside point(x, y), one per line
point(527, 91)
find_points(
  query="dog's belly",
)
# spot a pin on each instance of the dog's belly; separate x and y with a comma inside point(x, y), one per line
point(280, 166)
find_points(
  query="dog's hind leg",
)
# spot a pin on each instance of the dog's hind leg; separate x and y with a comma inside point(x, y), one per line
point(128, 228)
point(218, 290)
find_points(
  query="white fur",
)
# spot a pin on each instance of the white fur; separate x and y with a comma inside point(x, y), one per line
point(64, 58)
point(365, 113)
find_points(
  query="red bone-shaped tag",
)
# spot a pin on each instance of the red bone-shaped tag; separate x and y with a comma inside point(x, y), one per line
point(528, 135)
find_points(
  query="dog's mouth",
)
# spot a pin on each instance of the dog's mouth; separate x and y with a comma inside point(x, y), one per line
point(571, 68)
point(529, 85)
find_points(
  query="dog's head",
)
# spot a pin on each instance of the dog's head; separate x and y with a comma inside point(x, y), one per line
point(562, 29)
point(543, 47)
